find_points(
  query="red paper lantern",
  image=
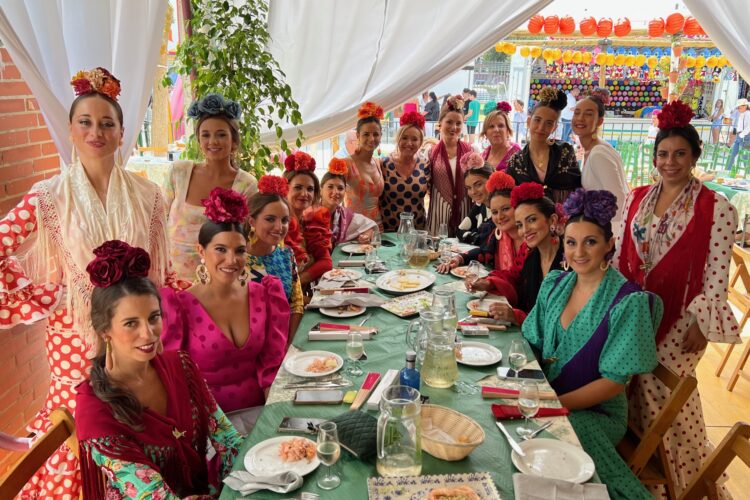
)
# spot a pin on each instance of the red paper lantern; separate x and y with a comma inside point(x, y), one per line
point(551, 25)
point(675, 22)
point(567, 25)
point(622, 28)
point(656, 27)
point(692, 27)
point(587, 26)
point(604, 28)
point(536, 23)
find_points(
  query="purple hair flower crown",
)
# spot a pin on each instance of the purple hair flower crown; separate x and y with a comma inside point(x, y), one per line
point(598, 205)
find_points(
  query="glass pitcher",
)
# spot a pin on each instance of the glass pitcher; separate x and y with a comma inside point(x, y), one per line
point(419, 331)
point(445, 300)
point(439, 368)
point(405, 226)
point(399, 432)
point(419, 249)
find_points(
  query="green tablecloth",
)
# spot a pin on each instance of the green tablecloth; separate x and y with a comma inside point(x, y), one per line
point(386, 351)
point(720, 188)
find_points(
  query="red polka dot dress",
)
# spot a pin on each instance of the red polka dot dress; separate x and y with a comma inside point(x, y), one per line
point(687, 444)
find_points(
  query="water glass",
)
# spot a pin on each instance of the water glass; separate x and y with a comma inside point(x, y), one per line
point(376, 240)
point(371, 260)
point(443, 231)
point(354, 350)
point(473, 273)
point(528, 405)
point(328, 451)
point(446, 255)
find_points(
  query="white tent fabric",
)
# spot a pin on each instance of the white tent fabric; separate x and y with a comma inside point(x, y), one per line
point(727, 24)
point(50, 40)
point(336, 54)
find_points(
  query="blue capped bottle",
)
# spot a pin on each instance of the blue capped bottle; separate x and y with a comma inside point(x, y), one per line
point(409, 375)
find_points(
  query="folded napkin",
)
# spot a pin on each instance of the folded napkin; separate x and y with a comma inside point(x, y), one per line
point(247, 483)
point(489, 392)
point(352, 263)
point(508, 412)
point(541, 488)
point(342, 299)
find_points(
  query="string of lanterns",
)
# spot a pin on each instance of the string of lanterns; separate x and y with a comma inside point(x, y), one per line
point(604, 27)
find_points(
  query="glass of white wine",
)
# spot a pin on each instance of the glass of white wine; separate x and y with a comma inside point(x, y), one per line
point(443, 231)
point(328, 450)
point(376, 240)
point(528, 405)
point(474, 272)
point(517, 356)
point(354, 350)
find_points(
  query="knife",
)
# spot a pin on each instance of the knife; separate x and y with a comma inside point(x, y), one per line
point(364, 320)
point(516, 447)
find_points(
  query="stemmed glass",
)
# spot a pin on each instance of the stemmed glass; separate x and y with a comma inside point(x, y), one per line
point(328, 450)
point(528, 405)
point(371, 260)
point(376, 240)
point(442, 231)
point(354, 350)
point(473, 273)
point(517, 356)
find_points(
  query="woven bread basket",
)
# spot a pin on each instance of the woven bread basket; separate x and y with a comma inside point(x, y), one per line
point(465, 431)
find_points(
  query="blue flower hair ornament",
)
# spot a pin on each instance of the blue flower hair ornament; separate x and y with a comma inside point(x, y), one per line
point(597, 205)
point(213, 105)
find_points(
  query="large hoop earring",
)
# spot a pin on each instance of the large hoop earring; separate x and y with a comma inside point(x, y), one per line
point(604, 265)
point(565, 265)
point(201, 273)
point(244, 276)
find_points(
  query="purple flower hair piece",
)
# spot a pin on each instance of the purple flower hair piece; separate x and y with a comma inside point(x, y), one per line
point(597, 205)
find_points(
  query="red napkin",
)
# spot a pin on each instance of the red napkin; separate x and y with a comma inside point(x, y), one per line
point(508, 412)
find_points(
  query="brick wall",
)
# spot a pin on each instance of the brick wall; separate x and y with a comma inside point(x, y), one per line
point(27, 155)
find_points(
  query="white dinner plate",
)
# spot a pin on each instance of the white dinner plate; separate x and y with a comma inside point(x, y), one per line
point(485, 303)
point(355, 248)
point(335, 312)
point(342, 275)
point(554, 459)
point(405, 280)
point(479, 354)
point(460, 272)
point(263, 459)
point(298, 364)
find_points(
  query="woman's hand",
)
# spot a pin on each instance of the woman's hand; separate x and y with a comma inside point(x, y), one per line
point(451, 264)
point(502, 311)
point(365, 237)
point(477, 285)
point(693, 340)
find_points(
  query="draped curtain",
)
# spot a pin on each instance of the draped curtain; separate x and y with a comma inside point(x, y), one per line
point(50, 40)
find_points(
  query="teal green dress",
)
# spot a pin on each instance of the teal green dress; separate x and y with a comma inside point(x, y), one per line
point(611, 337)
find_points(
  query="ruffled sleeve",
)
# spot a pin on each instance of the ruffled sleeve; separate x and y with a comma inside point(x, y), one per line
point(630, 348)
point(22, 301)
point(277, 330)
point(174, 323)
point(710, 308)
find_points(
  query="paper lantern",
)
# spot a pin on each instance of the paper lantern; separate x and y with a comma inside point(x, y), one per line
point(535, 51)
point(700, 61)
point(664, 60)
point(712, 62)
point(547, 55)
point(610, 60)
point(604, 27)
point(587, 56)
point(652, 61)
point(524, 52)
point(723, 61)
point(601, 58)
point(509, 49)
point(567, 25)
point(578, 57)
point(619, 59)
point(567, 56)
point(692, 27)
point(690, 62)
point(536, 23)
point(587, 26)
point(499, 47)
point(656, 27)
point(556, 54)
point(674, 23)
point(640, 60)
point(622, 28)
point(551, 25)
point(629, 60)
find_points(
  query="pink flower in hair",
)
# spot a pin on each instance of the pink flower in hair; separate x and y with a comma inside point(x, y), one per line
point(471, 161)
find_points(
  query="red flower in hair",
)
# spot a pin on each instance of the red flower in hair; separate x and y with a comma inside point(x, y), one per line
point(113, 248)
point(116, 260)
point(504, 106)
point(273, 184)
point(676, 114)
point(455, 103)
point(526, 191)
point(370, 109)
point(299, 161)
point(137, 262)
point(96, 80)
point(499, 181)
point(337, 166)
point(412, 118)
point(225, 205)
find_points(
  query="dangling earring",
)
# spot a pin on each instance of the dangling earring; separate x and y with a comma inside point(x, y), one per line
point(244, 276)
point(604, 265)
point(550, 140)
point(565, 265)
point(593, 136)
point(498, 234)
point(109, 362)
point(201, 273)
point(74, 156)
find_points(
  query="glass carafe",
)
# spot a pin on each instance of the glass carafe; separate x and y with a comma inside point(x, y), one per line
point(403, 234)
point(439, 368)
point(399, 433)
point(419, 332)
point(445, 300)
point(419, 250)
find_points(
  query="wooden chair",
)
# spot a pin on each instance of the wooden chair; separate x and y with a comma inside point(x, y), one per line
point(740, 297)
point(735, 444)
point(63, 430)
point(644, 452)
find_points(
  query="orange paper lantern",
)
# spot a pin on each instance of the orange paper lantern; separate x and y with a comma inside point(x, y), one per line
point(604, 28)
point(587, 26)
point(674, 24)
point(536, 23)
point(567, 25)
point(656, 27)
point(622, 28)
point(692, 27)
point(551, 25)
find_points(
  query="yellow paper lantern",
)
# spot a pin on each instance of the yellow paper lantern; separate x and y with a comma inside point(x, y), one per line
point(629, 60)
point(640, 60)
point(510, 48)
point(601, 58)
point(722, 61)
point(652, 61)
point(499, 47)
point(557, 54)
point(700, 61)
point(712, 61)
point(535, 51)
point(577, 57)
point(524, 52)
point(587, 57)
point(610, 60)
point(664, 60)
point(619, 59)
point(690, 62)
point(697, 74)
point(567, 56)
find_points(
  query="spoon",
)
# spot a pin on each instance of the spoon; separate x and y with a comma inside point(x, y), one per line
point(536, 432)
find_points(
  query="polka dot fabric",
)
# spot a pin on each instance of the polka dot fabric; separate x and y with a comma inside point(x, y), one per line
point(402, 194)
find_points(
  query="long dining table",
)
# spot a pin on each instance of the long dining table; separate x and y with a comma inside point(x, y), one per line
point(385, 351)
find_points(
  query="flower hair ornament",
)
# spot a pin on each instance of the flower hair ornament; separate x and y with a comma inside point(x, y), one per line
point(526, 191)
point(95, 81)
point(273, 184)
point(676, 114)
point(598, 205)
point(225, 205)
point(213, 105)
point(499, 181)
point(299, 161)
point(337, 166)
point(552, 97)
point(455, 103)
point(412, 118)
point(504, 107)
point(114, 261)
point(370, 110)
point(471, 161)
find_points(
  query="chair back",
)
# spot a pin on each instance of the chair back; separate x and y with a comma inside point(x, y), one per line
point(740, 296)
point(735, 444)
point(63, 430)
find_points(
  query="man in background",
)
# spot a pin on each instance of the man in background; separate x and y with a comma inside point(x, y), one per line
point(743, 131)
point(567, 114)
point(350, 145)
point(472, 118)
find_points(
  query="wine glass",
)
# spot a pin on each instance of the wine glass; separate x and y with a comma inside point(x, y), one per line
point(446, 255)
point(354, 350)
point(376, 240)
point(371, 260)
point(528, 405)
point(517, 356)
point(328, 450)
point(442, 231)
point(473, 273)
